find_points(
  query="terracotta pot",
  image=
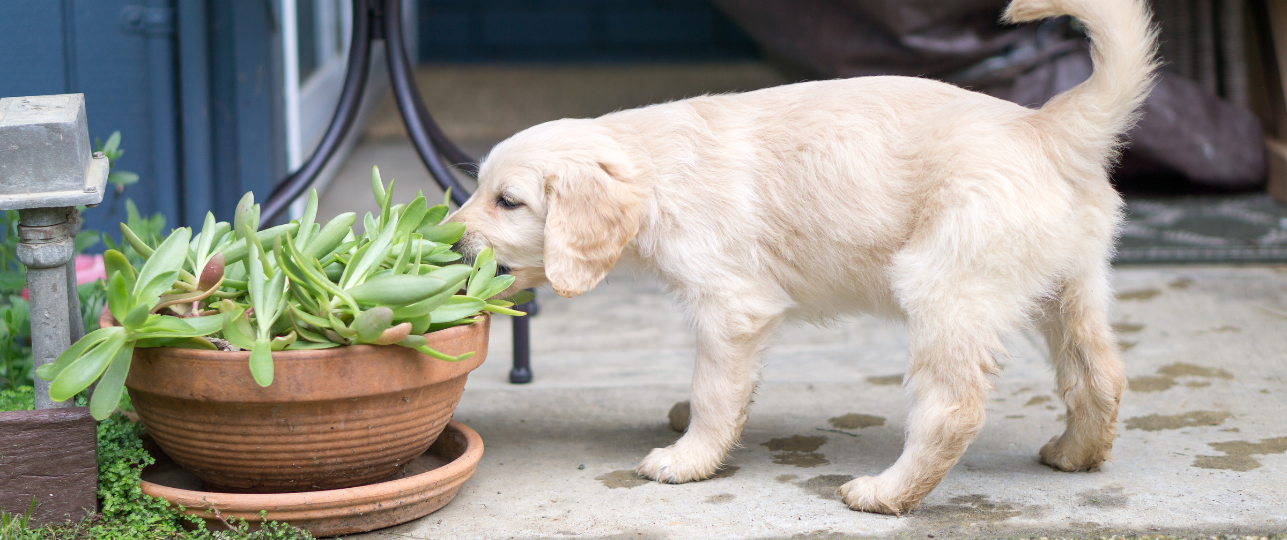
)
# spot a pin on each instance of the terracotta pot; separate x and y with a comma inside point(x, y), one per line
point(331, 419)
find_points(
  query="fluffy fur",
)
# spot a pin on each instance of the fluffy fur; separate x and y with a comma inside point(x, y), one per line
point(963, 215)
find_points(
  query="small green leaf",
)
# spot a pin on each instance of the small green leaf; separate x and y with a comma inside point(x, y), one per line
point(51, 370)
point(309, 318)
point(306, 221)
point(85, 240)
point(340, 328)
point(377, 187)
point(236, 252)
point(454, 275)
point(397, 290)
point(242, 215)
point(135, 242)
point(446, 233)
point(110, 388)
point(237, 330)
point(372, 322)
point(424, 307)
point(113, 142)
point(122, 178)
point(281, 342)
point(118, 297)
point(84, 370)
point(113, 262)
point(413, 341)
point(503, 310)
point(484, 271)
point(135, 318)
point(522, 297)
point(457, 308)
point(167, 259)
point(331, 236)
point(434, 216)
point(497, 286)
point(261, 361)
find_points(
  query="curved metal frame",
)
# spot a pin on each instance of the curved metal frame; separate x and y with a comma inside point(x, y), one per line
point(381, 19)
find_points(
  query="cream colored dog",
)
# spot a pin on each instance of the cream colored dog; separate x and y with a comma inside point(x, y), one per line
point(958, 213)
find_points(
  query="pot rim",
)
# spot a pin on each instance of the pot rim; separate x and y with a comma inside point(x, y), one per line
point(286, 354)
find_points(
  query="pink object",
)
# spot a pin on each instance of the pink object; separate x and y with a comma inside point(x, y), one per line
point(89, 268)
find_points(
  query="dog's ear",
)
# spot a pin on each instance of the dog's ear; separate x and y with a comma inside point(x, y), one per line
point(592, 212)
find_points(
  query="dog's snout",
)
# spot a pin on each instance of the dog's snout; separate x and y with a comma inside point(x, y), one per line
point(469, 245)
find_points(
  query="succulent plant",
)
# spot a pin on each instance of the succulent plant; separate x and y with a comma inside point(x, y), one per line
point(296, 286)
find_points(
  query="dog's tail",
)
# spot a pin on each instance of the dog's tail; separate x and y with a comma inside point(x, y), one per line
point(1124, 50)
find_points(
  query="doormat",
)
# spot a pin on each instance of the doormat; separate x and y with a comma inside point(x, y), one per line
point(1206, 229)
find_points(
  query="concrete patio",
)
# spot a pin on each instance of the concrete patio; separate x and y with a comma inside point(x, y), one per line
point(1201, 448)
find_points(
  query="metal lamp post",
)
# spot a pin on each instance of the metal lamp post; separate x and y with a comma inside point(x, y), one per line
point(47, 169)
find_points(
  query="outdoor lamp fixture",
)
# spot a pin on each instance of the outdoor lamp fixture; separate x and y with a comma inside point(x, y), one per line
point(47, 169)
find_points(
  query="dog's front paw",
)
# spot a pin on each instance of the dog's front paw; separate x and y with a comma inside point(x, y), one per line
point(671, 465)
point(870, 494)
point(1067, 456)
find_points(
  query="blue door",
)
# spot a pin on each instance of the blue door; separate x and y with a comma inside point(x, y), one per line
point(119, 54)
point(192, 85)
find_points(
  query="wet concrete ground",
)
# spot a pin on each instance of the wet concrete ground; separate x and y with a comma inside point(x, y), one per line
point(1201, 448)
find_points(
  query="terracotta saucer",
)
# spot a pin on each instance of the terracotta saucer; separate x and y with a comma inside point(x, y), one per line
point(424, 485)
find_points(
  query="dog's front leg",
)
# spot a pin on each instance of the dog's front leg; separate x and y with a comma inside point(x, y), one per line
point(729, 348)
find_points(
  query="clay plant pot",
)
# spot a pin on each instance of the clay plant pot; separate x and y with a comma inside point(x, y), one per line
point(332, 418)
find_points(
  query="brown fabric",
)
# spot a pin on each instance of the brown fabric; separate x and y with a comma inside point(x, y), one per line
point(1184, 128)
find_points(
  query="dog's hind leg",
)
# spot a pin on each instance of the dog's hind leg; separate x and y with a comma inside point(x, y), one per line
point(732, 334)
point(949, 381)
point(1088, 371)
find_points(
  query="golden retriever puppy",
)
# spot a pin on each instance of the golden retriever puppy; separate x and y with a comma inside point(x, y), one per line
point(963, 215)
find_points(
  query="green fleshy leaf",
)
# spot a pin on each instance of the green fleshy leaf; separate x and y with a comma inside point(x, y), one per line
point(397, 290)
point(237, 330)
point(110, 388)
point(458, 307)
point(446, 233)
point(118, 297)
point(261, 361)
point(331, 236)
point(85, 370)
point(51, 370)
point(521, 297)
point(372, 322)
point(115, 262)
point(135, 318)
point(306, 221)
point(497, 286)
point(167, 260)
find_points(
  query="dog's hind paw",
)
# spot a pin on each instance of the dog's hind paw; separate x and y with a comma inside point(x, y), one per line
point(1062, 455)
point(670, 466)
point(868, 494)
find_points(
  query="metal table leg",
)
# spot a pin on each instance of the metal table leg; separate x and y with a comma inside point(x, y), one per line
point(381, 19)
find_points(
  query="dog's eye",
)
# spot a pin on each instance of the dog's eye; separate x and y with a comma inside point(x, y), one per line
point(507, 203)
